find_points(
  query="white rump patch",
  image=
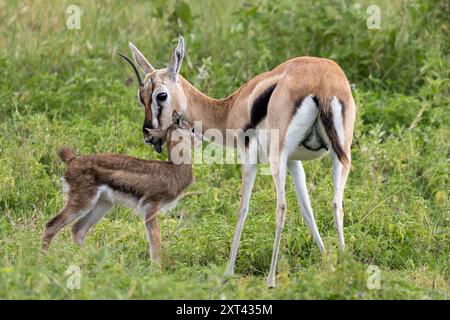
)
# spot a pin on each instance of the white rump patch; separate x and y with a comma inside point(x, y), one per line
point(303, 120)
point(338, 121)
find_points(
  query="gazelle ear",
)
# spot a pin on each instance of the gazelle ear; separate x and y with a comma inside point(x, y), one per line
point(140, 59)
point(177, 58)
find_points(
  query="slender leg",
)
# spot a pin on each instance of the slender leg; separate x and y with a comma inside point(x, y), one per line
point(299, 180)
point(82, 226)
point(278, 167)
point(153, 233)
point(340, 174)
point(287, 140)
point(248, 179)
point(69, 213)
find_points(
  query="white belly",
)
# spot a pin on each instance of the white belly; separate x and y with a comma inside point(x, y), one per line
point(302, 153)
point(116, 197)
point(128, 200)
point(299, 152)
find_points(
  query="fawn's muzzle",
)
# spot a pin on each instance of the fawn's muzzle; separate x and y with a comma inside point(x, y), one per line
point(156, 142)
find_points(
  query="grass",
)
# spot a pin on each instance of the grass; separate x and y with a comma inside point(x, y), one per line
point(61, 86)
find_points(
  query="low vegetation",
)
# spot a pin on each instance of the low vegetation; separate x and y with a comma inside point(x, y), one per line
point(68, 87)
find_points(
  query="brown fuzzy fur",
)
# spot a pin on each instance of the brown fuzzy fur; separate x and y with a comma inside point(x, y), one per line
point(150, 183)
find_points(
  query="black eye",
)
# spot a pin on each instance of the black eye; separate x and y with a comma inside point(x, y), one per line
point(161, 96)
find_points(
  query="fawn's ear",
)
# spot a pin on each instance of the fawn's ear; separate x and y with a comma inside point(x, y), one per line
point(176, 118)
point(156, 133)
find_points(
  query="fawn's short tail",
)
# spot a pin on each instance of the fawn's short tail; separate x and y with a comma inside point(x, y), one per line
point(67, 154)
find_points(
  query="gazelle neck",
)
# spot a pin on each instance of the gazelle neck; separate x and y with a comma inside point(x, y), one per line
point(213, 113)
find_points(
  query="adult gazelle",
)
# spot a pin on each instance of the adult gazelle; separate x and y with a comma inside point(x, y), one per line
point(307, 100)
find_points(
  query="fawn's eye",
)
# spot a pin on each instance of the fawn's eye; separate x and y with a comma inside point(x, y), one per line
point(161, 96)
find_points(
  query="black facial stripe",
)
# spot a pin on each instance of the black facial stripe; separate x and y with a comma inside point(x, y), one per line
point(159, 113)
point(147, 125)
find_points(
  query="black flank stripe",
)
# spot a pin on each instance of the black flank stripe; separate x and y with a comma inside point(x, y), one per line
point(259, 107)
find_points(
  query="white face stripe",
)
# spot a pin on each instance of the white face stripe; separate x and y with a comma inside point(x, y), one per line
point(156, 108)
point(304, 118)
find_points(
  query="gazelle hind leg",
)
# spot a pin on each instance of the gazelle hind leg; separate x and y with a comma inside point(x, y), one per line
point(303, 119)
point(298, 177)
point(82, 226)
point(278, 168)
point(340, 172)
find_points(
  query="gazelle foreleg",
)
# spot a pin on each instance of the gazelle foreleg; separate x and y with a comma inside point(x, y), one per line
point(248, 178)
point(298, 177)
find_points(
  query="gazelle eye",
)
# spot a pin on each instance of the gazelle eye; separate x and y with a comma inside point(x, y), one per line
point(161, 96)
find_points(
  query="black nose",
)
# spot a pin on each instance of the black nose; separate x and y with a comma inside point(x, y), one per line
point(158, 145)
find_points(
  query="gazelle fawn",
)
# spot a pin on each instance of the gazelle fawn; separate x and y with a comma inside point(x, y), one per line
point(306, 101)
point(94, 183)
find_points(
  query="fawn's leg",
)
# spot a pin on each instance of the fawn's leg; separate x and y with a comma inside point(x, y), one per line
point(82, 226)
point(69, 213)
point(153, 233)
